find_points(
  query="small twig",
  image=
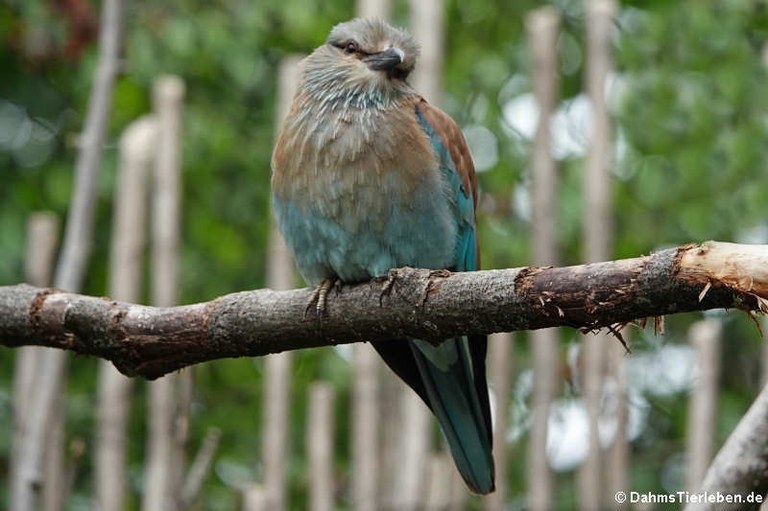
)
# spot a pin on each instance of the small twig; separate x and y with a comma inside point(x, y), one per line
point(199, 468)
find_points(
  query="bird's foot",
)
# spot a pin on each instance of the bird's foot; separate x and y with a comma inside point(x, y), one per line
point(433, 283)
point(319, 298)
point(388, 284)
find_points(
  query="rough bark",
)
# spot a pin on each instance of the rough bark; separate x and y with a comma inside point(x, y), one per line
point(433, 305)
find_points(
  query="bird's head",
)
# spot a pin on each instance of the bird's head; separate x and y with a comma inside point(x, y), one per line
point(365, 56)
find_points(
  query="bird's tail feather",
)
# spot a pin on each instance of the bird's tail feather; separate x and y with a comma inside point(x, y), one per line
point(449, 381)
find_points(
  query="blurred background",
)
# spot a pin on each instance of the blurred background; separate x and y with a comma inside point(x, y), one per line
point(667, 99)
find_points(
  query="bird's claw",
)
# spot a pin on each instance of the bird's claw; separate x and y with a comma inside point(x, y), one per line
point(319, 298)
point(443, 273)
point(388, 285)
point(433, 284)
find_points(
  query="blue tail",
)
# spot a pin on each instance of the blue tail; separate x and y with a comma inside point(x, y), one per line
point(450, 378)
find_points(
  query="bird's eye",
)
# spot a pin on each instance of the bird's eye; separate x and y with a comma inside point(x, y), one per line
point(350, 48)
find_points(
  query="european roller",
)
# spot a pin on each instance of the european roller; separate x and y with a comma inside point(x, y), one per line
point(368, 176)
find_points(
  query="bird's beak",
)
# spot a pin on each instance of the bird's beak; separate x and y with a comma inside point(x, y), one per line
point(385, 60)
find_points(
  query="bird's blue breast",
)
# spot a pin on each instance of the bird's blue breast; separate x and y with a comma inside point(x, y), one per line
point(368, 236)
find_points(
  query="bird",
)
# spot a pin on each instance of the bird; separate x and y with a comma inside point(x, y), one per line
point(368, 176)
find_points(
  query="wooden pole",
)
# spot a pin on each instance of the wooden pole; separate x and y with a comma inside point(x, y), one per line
point(254, 498)
point(137, 149)
point(598, 234)
point(428, 27)
point(373, 8)
point(166, 439)
point(437, 493)
point(617, 459)
point(70, 269)
point(320, 447)
point(704, 336)
point(543, 29)
point(500, 349)
point(365, 429)
point(598, 207)
point(42, 236)
point(277, 368)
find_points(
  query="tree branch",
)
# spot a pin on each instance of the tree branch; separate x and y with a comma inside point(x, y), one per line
point(431, 305)
point(741, 466)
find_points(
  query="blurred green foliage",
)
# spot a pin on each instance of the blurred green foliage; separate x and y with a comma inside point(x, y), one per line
point(691, 119)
